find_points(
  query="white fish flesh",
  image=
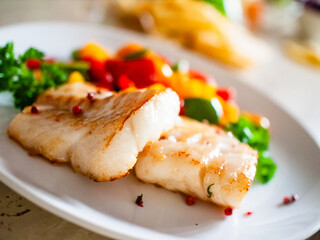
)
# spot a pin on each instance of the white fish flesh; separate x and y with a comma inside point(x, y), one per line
point(200, 160)
point(102, 141)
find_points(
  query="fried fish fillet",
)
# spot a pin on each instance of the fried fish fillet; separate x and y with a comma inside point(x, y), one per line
point(104, 140)
point(200, 160)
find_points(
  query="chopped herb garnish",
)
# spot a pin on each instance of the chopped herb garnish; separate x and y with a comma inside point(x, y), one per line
point(208, 190)
point(136, 55)
point(139, 201)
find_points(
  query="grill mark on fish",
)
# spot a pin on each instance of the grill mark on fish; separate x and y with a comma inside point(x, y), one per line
point(132, 112)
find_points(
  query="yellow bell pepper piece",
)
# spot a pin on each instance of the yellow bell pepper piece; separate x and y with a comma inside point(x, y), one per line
point(157, 86)
point(94, 51)
point(230, 112)
point(75, 77)
point(129, 89)
point(188, 87)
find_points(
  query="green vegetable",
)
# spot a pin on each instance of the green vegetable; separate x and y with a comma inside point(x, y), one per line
point(80, 66)
point(200, 109)
point(265, 168)
point(8, 66)
point(258, 138)
point(208, 190)
point(76, 55)
point(16, 78)
point(136, 55)
point(218, 4)
point(248, 132)
point(32, 53)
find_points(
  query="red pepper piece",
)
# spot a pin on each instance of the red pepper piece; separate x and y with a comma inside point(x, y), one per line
point(124, 82)
point(33, 64)
point(141, 71)
point(97, 70)
point(106, 81)
point(99, 75)
point(226, 94)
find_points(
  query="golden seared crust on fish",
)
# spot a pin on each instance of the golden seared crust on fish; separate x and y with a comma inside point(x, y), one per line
point(102, 141)
point(198, 159)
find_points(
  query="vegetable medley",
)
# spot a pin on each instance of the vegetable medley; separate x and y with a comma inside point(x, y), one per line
point(133, 67)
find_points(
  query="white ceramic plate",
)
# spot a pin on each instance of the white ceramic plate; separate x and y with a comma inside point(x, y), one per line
point(109, 209)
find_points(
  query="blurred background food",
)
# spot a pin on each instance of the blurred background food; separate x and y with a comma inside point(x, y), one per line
point(199, 25)
point(225, 30)
point(228, 31)
point(305, 47)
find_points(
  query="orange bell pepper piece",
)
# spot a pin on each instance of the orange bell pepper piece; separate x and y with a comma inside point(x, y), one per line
point(94, 51)
point(129, 48)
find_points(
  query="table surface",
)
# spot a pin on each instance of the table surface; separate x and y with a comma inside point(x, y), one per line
point(297, 95)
